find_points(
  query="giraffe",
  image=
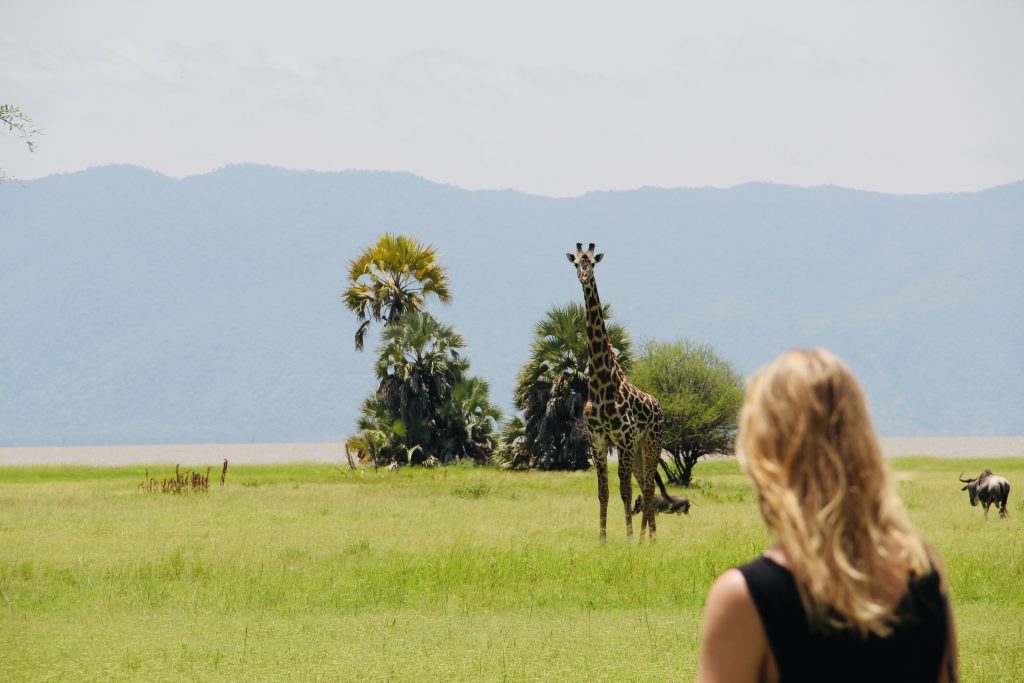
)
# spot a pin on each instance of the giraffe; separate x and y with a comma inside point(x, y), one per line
point(617, 413)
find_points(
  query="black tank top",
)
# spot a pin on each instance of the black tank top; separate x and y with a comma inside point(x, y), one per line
point(911, 652)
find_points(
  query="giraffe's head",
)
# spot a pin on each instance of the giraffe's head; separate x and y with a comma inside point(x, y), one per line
point(584, 261)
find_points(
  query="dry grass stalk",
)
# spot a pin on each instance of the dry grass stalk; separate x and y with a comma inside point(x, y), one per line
point(182, 482)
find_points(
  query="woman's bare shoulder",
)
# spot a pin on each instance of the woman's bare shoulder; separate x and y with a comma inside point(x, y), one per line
point(733, 642)
point(730, 589)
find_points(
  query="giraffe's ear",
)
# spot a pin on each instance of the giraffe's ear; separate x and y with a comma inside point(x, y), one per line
point(597, 259)
point(572, 259)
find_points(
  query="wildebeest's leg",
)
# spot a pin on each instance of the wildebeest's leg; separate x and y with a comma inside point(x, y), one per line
point(599, 451)
point(626, 484)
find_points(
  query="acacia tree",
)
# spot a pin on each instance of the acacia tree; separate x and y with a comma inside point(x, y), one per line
point(551, 389)
point(17, 121)
point(394, 275)
point(700, 395)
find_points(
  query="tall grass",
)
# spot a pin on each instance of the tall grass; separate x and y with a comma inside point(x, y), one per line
point(314, 572)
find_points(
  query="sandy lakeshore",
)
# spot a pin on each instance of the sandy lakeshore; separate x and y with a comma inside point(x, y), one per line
point(192, 455)
point(213, 454)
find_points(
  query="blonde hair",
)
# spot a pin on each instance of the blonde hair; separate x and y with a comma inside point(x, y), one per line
point(807, 442)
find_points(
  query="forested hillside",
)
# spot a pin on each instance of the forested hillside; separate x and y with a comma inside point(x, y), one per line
point(139, 308)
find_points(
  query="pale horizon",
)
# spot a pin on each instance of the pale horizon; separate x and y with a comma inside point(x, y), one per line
point(511, 189)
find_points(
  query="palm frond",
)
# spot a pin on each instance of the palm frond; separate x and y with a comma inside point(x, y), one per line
point(393, 276)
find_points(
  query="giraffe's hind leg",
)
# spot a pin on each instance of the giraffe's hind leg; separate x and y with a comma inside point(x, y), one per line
point(650, 509)
point(645, 477)
point(648, 452)
point(638, 472)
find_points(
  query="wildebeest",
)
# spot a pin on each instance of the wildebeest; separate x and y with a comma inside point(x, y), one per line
point(988, 488)
point(666, 502)
point(674, 505)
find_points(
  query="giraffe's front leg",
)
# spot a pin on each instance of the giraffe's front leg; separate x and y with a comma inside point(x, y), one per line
point(626, 486)
point(599, 453)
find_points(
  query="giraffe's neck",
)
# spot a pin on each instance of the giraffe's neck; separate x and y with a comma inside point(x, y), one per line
point(602, 362)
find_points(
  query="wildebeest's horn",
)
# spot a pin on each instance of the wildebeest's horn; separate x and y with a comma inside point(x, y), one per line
point(966, 481)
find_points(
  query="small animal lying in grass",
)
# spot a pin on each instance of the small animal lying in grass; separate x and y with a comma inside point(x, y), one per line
point(666, 502)
point(673, 506)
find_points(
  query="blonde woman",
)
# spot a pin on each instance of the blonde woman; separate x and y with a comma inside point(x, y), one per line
point(849, 592)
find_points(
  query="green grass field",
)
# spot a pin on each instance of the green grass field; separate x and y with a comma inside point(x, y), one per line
point(463, 574)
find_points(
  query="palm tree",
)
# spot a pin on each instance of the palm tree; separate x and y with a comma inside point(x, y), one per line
point(552, 387)
point(391, 277)
point(468, 421)
point(380, 438)
point(510, 453)
point(425, 404)
point(418, 365)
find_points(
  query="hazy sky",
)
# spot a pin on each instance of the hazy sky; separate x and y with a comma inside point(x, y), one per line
point(549, 97)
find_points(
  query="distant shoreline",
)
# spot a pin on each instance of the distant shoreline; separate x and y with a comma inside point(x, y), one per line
point(953, 446)
point(334, 452)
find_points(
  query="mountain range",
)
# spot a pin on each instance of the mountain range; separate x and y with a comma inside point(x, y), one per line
point(138, 308)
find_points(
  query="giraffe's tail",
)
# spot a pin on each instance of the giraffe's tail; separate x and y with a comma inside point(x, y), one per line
point(660, 483)
point(653, 445)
